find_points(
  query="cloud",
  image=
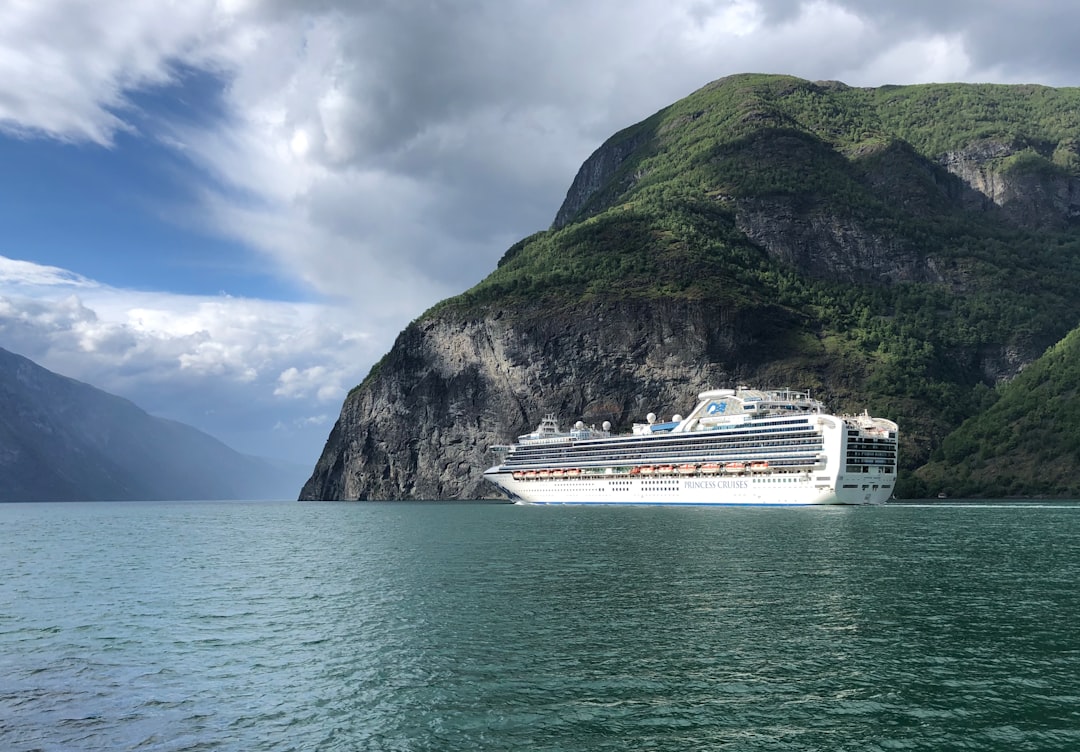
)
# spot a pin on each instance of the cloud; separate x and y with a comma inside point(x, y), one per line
point(69, 67)
point(317, 381)
point(14, 272)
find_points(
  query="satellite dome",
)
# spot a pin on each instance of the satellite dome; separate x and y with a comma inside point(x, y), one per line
point(606, 425)
point(579, 425)
point(677, 418)
point(651, 417)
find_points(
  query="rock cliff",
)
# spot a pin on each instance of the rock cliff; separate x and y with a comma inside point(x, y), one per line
point(597, 173)
point(421, 426)
point(1029, 189)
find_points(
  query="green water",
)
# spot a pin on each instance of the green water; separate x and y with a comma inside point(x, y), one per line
point(287, 626)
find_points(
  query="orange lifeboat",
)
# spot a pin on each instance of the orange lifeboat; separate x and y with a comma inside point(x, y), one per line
point(573, 472)
point(665, 469)
point(647, 470)
point(687, 469)
point(759, 467)
point(710, 468)
point(734, 467)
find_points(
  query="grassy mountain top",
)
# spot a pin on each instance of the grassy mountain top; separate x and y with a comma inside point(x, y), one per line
point(664, 222)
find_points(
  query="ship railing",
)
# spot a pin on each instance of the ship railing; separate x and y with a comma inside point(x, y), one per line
point(673, 467)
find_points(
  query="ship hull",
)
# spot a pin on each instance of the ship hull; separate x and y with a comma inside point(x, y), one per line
point(805, 490)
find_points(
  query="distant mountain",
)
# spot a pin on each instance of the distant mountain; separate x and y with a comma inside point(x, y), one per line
point(904, 249)
point(63, 440)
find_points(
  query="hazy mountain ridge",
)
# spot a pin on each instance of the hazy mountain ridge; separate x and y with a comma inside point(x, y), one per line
point(63, 440)
point(902, 249)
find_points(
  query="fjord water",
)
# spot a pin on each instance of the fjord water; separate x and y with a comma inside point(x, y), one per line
point(288, 626)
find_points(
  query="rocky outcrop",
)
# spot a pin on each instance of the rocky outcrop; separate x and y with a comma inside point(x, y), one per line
point(828, 246)
point(976, 167)
point(597, 172)
point(1023, 184)
point(421, 426)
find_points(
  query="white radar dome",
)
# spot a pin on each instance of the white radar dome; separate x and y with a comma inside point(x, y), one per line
point(651, 417)
point(579, 425)
point(606, 425)
point(677, 418)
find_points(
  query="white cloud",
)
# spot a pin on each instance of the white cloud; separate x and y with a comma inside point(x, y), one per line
point(938, 58)
point(69, 66)
point(319, 382)
point(25, 273)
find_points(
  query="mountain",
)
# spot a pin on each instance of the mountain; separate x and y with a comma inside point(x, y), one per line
point(904, 249)
point(1027, 442)
point(63, 440)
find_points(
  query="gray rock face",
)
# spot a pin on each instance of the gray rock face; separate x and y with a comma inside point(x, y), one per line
point(1028, 197)
point(597, 172)
point(829, 247)
point(421, 427)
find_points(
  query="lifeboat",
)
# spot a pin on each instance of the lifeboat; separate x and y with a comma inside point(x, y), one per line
point(635, 470)
point(710, 468)
point(687, 469)
point(734, 467)
point(647, 470)
point(518, 475)
point(759, 467)
point(573, 472)
point(557, 473)
point(530, 474)
point(543, 473)
point(665, 469)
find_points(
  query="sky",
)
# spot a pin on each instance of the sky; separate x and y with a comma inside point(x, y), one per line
point(226, 210)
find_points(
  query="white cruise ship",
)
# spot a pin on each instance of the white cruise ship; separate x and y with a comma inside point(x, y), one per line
point(738, 446)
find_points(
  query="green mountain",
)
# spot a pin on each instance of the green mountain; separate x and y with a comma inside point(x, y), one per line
point(901, 249)
point(1027, 442)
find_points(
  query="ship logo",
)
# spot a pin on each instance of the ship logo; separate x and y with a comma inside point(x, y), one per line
point(716, 407)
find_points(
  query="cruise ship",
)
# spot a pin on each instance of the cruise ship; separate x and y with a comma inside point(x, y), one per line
point(737, 446)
